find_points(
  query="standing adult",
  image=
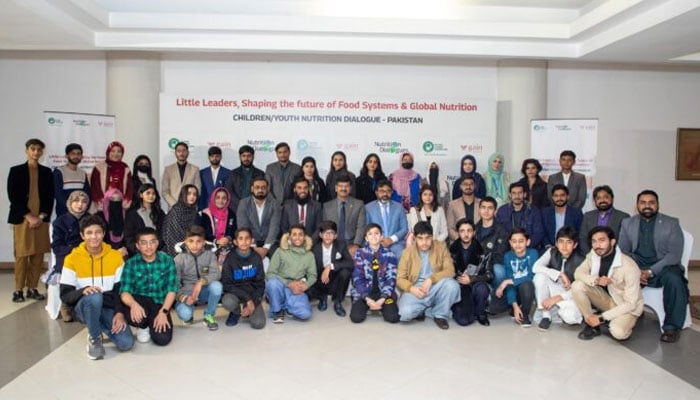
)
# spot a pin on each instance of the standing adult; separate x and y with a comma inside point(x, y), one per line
point(317, 189)
point(240, 180)
point(438, 184)
point(181, 173)
point(112, 173)
point(339, 165)
point(143, 172)
point(69, 177)
point(30, 191)
point(575, 182)
point(535, 187)
point(406, 183)
point(281, 173)
point(370, 174)
point(212, 177)
point(468, 169)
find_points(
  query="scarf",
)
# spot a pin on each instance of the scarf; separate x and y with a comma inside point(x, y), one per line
point(402, 177)
point(116, 170)
point(218, 216)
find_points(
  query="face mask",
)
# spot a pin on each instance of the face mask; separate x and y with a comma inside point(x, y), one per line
point(407, 165)
point(142, 168)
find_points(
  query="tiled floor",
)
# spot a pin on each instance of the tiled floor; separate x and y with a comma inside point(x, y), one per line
point(331, 358)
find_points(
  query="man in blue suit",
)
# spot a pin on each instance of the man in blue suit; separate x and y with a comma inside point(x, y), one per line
point(390, 216)
point(212, 177)
point(559, 214)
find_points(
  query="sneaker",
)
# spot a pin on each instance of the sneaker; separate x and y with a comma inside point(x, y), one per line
point(278, 318)
point(34, 294)
point(18, 296)
point(232, 319)
point(143, 335)
point(526, 323)
point(95, 349)
point(589, 332)
point(545, 323)
point(210, 322)
point(189, 321)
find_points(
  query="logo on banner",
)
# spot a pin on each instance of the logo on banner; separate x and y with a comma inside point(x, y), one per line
point(55, 121)
point(390, 147)
point(347, 146)
point(472, 148)
point(563, 127)
point(267, 146)
point(173, 142)
point(436, 148)
point(305, 146)
point(538, 128)
point(106, 124)
point(81, 122)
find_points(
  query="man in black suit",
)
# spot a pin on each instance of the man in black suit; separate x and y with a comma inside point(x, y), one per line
point(334, 265)
point(31, 193)
point(604, 215)
point(241, 179)
point(575, 182)
point(301, 210)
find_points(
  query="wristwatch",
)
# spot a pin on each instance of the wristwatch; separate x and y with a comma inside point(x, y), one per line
point(601, 319)
point(165, 311)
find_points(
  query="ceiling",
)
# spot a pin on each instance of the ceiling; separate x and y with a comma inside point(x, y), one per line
point(638, 31)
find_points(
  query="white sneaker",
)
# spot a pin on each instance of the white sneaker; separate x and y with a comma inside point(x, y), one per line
point(143, 335)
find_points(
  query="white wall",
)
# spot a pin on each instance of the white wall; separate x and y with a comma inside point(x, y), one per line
point(639, 110)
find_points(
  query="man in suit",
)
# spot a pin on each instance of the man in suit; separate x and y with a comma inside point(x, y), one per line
point(352, 228)
point(390, 216)
point(178, 174)
point(301, 210)
point(334, 265)
point(281, 173)
point(261, 214)
point(604, 215)
point(519, 214)
point(241, 179)
point(655, 242)
point(212, 177)
point(466, 206)
point(575, 182)
point(559, 214)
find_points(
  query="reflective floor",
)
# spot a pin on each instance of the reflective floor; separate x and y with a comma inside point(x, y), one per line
point(331, 358)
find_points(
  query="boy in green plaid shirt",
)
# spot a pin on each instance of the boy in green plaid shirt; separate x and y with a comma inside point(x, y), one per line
point(148, 288)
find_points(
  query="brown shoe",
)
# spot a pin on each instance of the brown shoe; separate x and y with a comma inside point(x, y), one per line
point(441, 323)
point(670, 336)
point(66, 313)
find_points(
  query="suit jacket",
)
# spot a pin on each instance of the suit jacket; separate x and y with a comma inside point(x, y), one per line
point(590, 221)
point(171, 183)
point(455, 212)
point(266, 231)
point(577, 187)
point(279, 184)
point(354, 218)
point(18, 192)
point(234, 184)
point(572, 217)
point(208, 185)
point(531, 222)
point(668, 240)
point(398, 224)
point(340, 257)
point(312, 218)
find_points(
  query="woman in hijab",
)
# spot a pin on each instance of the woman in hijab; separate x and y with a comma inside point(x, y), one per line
point(370, 174)
point(219, 222)
point(497, 180)
point(143, 172)
point(181, 216)
point(439, 185)
point(113, 214)
point(469, 169)
point(112, 173)
point(406, 183)
point(317, 189)
point(339, 165)
point(145, 212)
point(535, 187)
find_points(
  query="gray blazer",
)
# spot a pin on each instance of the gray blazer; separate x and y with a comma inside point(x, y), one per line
point(280, 186)
point(247, 217)
point(668, 240)
point(590, 221)
point(577, 188)
point(354, 218)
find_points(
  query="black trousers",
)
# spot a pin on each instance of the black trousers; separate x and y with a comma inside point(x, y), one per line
point(390, 310)
point(473, 303)
point(152, 309)
point(675, 288)
point(337, 286)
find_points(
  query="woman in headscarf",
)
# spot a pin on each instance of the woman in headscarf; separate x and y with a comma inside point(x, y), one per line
point(497, 180)
point(406, 183)
point(145, 212)
point(112, 173)
point(113, 214)
point(181, 216)
point(439, 185)
point(339, 165)
point(317, 189)
point(370, 174)
point(219, 222)
point(535, 187)
point(469, 169)
point(143, 172)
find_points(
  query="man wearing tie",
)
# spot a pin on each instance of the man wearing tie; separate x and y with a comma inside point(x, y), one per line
point(347, 212)
point(390, 216)
point(301, 210)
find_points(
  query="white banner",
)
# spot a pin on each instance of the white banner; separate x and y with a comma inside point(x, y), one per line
point(92, 131)
point(549, 137)
point(432, 129)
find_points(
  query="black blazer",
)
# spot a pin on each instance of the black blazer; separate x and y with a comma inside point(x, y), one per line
point(341, 258)
point(18, 192)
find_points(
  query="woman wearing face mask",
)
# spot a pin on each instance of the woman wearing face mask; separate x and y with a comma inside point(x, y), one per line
point(339, 165)
point(406, 183)
point(143, 172)
point(112, 173)
point(469, 169)
point(180, 217)
point(497, 180)
point(370, 174)
point(438, 184)
point(219, 222)
point(144, 212)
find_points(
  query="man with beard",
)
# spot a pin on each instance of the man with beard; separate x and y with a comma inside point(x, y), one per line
point(181, 173)
point(518, 214)
point(609, 280)
point(655, 242)
point(559, 214)
point(390, 216)
point(212, 177)
point(281, 173)
point(68, 178)
point(604, 215)
point(240, 179)
point(347, 212)
point(466, 206)
point(301, 210)
point(261, 214)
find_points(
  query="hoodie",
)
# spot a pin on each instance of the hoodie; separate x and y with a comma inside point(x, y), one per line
point(191, 268)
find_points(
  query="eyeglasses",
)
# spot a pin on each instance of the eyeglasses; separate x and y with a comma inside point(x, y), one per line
point(152, 242)
point(328, 233)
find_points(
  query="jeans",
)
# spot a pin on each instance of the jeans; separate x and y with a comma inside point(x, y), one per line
point(282, 298)
point(98, 320)
point(209, 294)
point(436, 304)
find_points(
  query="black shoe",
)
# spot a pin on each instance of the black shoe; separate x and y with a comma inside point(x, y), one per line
point(483, 320)
point(441, 323)
point(18, 296)
point(420, 317)
point(232, 319)
point(338, 308)
point(34, 294)
point(322, 304)
point(545, 323)
point(670, 336)
point(526, 323)
point(589, 332)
